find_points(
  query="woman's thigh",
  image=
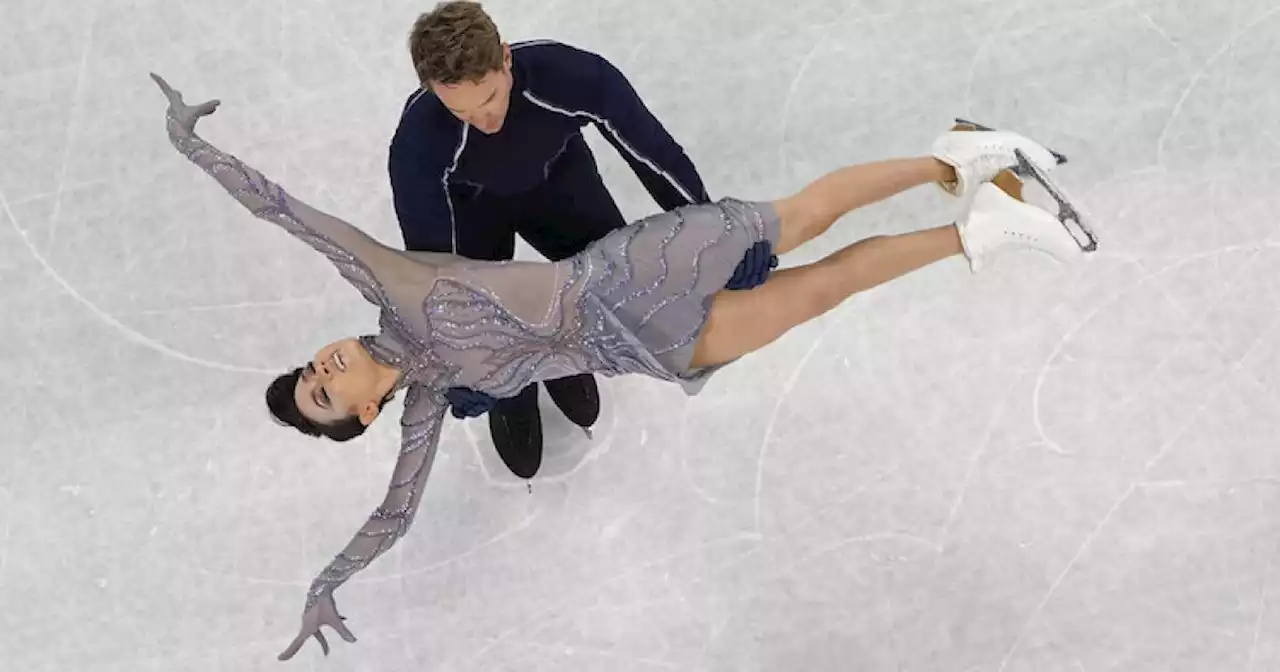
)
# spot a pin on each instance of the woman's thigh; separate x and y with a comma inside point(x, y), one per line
point(741, 322)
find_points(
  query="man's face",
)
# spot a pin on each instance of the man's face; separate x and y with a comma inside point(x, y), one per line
point(482, 103)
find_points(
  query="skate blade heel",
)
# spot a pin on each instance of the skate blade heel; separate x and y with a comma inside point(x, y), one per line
point(1066, 211)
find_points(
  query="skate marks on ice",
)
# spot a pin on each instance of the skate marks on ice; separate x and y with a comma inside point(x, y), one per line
point(1190, 306)
point(1203, 72)
point(62, 111)
point(1195, 271)
point(106, 318)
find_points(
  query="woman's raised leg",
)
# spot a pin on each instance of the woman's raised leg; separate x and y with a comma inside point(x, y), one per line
point(744, 321)
point(963, 157)
point(811, 211)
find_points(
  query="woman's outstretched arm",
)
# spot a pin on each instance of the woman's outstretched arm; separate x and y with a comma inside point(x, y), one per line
point(423, 416)
point(358, 257)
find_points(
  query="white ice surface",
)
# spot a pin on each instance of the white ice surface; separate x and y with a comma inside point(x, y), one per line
point(1033, 469)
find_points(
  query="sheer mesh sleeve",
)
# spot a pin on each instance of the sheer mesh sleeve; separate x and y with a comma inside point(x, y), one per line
point(356, 254)
point(423, 415)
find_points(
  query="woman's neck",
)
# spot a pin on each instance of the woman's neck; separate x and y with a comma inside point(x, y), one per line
point(388, 378)
point(390, 364)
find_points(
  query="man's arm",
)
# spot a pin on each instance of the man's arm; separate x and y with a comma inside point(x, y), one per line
point(419, 188)
point(595, 88)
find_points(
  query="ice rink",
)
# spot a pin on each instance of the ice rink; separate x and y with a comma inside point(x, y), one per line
point(1036, 468)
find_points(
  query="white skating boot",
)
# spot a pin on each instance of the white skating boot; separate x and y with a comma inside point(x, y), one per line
point(996, 220)
point(978, 154)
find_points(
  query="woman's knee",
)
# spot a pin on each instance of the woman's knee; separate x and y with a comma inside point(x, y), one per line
point(823, 287)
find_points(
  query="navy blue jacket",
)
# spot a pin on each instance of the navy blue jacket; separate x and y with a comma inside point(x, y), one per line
point(557, 90)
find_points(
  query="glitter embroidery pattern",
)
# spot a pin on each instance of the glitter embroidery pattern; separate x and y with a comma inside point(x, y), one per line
point(633, 303)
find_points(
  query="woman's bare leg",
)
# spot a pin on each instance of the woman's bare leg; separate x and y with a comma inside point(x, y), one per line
point(744, 321)
point(741, 322)
point(811, 211)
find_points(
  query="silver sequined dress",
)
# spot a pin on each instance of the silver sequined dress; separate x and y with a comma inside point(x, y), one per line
point(633, 302)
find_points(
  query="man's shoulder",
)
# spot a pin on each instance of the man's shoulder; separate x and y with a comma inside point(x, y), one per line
point(553, 58)
point(425, 124)
point(563, 75)
point(421, 106)
point(543, 49)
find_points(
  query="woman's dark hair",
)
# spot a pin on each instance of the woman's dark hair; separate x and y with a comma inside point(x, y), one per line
point(284, 408)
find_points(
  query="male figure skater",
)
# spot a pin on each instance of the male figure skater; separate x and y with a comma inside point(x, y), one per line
point(491, 146)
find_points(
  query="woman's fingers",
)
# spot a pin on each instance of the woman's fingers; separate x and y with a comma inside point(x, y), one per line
point(173, 96)
point(207, 108)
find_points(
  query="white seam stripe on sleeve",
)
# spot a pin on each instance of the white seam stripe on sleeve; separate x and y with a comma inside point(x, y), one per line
point(616, 136)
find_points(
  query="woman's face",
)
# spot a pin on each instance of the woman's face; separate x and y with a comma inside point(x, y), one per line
point(342, 381)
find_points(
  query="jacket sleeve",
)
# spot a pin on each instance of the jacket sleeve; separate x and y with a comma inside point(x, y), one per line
point(419, 168)
point(603, 93)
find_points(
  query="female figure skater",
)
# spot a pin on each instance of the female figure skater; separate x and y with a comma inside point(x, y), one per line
point(645, 299)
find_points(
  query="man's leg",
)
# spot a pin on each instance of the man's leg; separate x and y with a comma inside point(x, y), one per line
point(485, 232)
point(569, 212)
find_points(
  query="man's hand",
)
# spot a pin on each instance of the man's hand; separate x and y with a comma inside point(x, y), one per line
point(754, 268)
point(468, 403)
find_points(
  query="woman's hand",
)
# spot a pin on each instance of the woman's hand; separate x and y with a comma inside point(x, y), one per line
point(323, 612)
point(185, 115)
